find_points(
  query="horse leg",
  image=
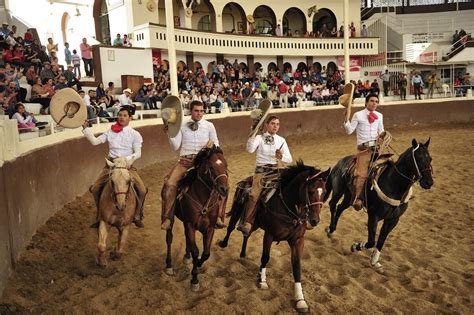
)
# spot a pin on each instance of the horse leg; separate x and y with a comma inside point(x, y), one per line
point(206, 246)
point(372, 229)
point(262, 276)
point(296, 253)
point(187, 259)
point(117, 253)
point(337, 210)
point(243, 251)
point(191, 236)
point(102, 243)
point(169, 241)
point(387, 227)
point(232, 223)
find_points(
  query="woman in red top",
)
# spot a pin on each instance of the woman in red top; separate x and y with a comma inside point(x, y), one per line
point(18, 59)
point(8, 55)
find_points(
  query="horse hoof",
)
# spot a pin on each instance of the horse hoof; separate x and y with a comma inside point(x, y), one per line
point(115, 256)
point(195, 287)
point(354, 247)
point(187, 261)
point(101, 262)
point(302, 306)
point(169, 271)
point(222, 244)
point(262, 285)
point(328, 232)
point(378, 268)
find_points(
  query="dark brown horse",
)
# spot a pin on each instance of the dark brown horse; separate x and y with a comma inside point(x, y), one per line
point(117, 205)
point(202, 190)
point(293, 208)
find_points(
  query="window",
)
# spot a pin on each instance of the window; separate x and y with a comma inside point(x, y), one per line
point(204, 23)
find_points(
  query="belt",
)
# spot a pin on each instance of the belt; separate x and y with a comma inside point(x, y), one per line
point(367, 145)
point(189, 156)
point(265, 168)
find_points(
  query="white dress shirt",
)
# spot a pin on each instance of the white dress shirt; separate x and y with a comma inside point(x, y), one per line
point(191, 142)
point(124, 100)
point(127, 143)
point(365, 131)
point(266, 151)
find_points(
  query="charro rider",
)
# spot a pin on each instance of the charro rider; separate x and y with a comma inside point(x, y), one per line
point(271, 149)
point(368, 125)
point(124, 141)
point(191, 137)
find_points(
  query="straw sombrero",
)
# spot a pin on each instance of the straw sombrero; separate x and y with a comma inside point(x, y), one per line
point(250, 19)
point(258, 115)
point(172, 114)
point(346, 98)
point(68, 109)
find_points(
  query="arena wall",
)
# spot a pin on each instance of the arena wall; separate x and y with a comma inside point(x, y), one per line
point(42, 179)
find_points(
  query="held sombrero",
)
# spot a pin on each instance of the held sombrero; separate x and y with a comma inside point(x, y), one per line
point(258, 115)
point(172, 114)
point(346, 98)
point(67, 108)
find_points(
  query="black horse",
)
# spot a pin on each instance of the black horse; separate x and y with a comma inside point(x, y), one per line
point(290, 211)
point(386, 198)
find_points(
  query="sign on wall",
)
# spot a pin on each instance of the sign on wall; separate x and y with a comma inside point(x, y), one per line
point(355, 63)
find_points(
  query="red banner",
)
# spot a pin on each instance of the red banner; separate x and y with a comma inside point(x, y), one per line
point(355, 63)
point(428, 57)
point(156, 55)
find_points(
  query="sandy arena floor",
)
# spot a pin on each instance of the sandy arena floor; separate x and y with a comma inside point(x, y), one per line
point(428, 258)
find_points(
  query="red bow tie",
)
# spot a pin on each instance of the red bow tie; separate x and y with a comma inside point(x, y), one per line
point(372, 117)
point(116, 128)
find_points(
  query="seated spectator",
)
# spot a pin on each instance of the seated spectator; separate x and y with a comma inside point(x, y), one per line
point(48, 86)
point(215, 101)
point(40, 95)
point(31, 57)
point(89, 106)
point(99, 91)
point(126, 42)
point(47, 72)
point(28, 37)
point(18, 57)
point(71, 78)
point(125, 100)
point(61, 84)
point(10, 39)
point(52, 48)
point(326, 95)
point(10, 98)
point(374, 87)
point(26, 120)
point(298, 91)
point(31, 75)
point(317, 97)
point(308, 90)
point(292, 99)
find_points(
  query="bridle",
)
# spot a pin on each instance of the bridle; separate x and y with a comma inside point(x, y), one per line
point(129, 185)
point(212, 178)
point(416, 177)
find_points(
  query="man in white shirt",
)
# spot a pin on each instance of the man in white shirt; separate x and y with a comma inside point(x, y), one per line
point(125, 100)
point(124, 141)
point(270, 148)
point(368, 125)
point(195, 134)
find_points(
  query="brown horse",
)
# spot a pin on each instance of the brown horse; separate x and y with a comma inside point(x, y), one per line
point(202, 190)
point(285, 217)
point(117, 205)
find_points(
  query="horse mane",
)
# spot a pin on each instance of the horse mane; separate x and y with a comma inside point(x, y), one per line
point(200, 158)
point(289, 174)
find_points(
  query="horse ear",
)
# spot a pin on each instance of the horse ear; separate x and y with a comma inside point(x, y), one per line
point(427, 143)
point(110, 164)
point(414, 143)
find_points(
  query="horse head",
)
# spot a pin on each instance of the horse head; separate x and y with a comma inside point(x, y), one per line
point(120, 180)
point(313, 191)
point(421, 163)
point(212, 165)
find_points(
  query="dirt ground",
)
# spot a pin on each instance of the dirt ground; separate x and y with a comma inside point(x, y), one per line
point(428, 257)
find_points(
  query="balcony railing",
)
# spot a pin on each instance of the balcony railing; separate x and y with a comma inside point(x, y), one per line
point(154, 36)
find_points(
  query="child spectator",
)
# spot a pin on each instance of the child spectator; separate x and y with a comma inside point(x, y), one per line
point(67, 54)
point(76, 62)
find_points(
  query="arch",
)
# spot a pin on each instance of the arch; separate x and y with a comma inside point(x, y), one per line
point(233, 17)
point(317, 67)
point(181, 66)
point(302, 67)
point(295, 20)
point(243, 66)
point(331, 68)
point(324, 16)
point(197, 65)
point(204, 23)
point(257, 66)
point(265, 20)
point(101, 21)
point(178, 11)
point(204, 8)
point(64, 21)
point(272, 67)
point(287, 66)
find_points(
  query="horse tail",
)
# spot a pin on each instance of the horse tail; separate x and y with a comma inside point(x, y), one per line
point(328, 187)
point(240, 198)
